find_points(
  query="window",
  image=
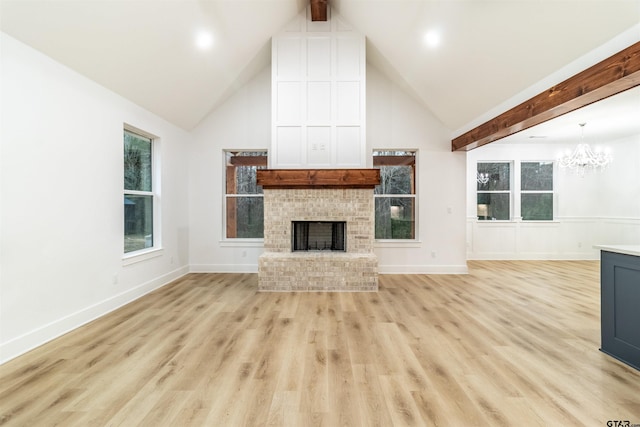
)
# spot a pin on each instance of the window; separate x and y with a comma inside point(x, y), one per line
point(494, 191)
point(140, 195)
point(395, 197)
point(244, 204)
point(536, 191)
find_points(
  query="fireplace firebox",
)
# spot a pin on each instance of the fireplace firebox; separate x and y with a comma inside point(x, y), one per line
point(318, 236)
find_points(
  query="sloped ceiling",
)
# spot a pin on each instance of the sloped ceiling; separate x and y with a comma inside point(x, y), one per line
point(144, 49)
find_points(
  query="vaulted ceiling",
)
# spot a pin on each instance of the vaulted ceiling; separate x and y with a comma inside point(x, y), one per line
point(144, 49)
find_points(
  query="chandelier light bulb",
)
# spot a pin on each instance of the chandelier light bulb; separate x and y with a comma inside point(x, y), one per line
point(482, 178)
point(583, 159)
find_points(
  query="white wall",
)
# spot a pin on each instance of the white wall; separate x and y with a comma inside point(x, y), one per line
point(601, 208)
point(243, 122)
point(62, 214)
point(394, 121)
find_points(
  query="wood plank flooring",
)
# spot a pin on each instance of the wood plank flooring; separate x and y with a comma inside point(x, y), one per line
point(511, 343)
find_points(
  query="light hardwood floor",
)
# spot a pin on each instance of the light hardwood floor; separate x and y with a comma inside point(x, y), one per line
point(511, 343)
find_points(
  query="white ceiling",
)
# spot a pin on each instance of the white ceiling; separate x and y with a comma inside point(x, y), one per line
point(144, 49)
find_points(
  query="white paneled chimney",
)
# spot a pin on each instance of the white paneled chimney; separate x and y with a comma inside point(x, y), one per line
point(318, 95)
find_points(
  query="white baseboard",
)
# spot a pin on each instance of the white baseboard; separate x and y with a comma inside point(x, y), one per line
point(223, 268)
point(509, 256)
point(30, 340)
point(382, 269)
point(423, 269)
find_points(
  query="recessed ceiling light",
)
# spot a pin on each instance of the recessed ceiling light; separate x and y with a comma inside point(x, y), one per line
point(204, 40)
point(432, 38)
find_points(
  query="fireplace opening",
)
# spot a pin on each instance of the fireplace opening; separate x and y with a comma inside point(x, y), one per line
point(318, 236)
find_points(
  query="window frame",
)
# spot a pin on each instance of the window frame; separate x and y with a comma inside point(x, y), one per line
point(509, 192)
point(413, 195)
point(552, 191)
point(227, 196)
point(156, 214)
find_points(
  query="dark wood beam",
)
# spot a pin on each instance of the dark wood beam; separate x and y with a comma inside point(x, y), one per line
point(609, 77)
point(232, 208)
point(394, 160)
point(319, 10)
point(248, 160)
point(318, 178)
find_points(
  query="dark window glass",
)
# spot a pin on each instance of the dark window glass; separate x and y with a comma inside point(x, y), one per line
point(494, 177)
point(138, 222)
point(137, 162)
point(536, 198)
point(537, 206)
point(394, 218)
point(536, 176)
point(493, 206)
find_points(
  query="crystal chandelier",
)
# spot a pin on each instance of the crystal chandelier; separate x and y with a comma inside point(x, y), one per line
point(583, 159)
point(482, 178)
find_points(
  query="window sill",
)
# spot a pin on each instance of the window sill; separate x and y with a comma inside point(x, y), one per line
point(245, 243)
point(141, 255)
point(518, 221)
point(544, 221)
point(397, 243)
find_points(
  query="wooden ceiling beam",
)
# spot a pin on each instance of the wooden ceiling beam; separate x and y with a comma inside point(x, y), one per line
point(319, 10)
point(609, 77)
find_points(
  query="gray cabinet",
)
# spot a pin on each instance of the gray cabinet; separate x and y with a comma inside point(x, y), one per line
point(620, 306)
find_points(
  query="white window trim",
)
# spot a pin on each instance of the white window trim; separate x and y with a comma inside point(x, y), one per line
point(141, 255)
point(415, 242)
point(156, 250)
point(397, 243)
point(552, 192)
point(511, 192)
point(237, 241)
point(515, 200)
point(242, 242)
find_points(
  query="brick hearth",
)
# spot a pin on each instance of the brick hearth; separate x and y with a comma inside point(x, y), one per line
point(280, 269)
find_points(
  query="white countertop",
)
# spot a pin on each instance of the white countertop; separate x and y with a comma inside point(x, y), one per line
point(621, 249)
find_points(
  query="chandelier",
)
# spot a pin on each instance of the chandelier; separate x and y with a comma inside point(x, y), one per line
point(583, 159)
point(482, 178)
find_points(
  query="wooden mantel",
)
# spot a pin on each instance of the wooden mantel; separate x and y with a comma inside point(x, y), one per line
point(318, 178)
point(609, 77)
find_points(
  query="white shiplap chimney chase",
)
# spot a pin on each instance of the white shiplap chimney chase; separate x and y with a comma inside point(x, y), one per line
point(318, 89)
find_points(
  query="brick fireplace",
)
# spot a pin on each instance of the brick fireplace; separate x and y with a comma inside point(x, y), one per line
point(327, 196)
